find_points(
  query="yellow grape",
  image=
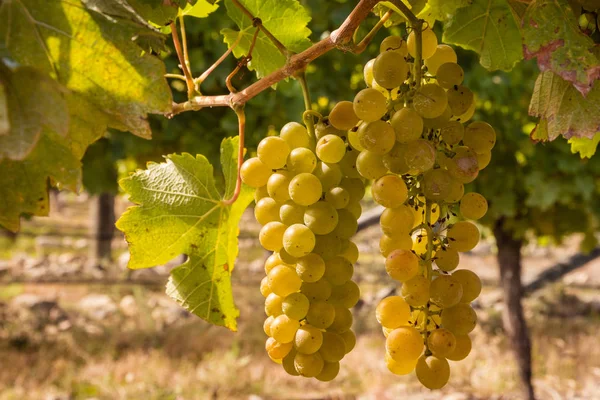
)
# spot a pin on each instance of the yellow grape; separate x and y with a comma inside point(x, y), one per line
point(452, 132)
point(254, 173)
point(301, 160)
point(407, 124)
point(404, 343)
point(457, 190)
point(415, 291)
point(291, 213)
point(370, 165)
point(317, 291)
point(348, 163)
point(355, 187)
point(368, 72)
point(295, 306)
point(369, 105)
point(261, 193)
point(329, 372)
point(265, 290)
point(397, 221)
point(463, 236)
point(436, 184)
point(393, 312)
point(338, 270)
point(445, 291)
point(284, 280)
point(460, 319)
point(439, 121)
point(273, 152)
point(394, 43)
point(447, 259)
point(460, 99)
point(441, 342)
point(328, 246)
point(271, 236)
point(295, 135)
point(470, 283)
point(354, 140)
point(430, 100)
point(390, 191)
point(330, 175)
point(402, 367)
point(463, 165)
point(390, 69)
point(305, 189)
point(350, 340)
point(283, 328)
point(443, 54)
point(473, 206)
point(267, 325)
point(394, 159)
point(461, 349)
point(480, 137)
point(333, 348)
point(310, 268)
point(449, 75)
point(402, 265)
point(346, 295)
point(308, 339)
point(298, 240)
point(377, 136)
point(278, 186)
point(266, 210)
point(273, 305)
point(419, 156)
point(342, 321)
point(338, 197)
point(347, 224)
point(483, 159)
point(349, 251)
point(420, 242)
point(288, 363)
point(274, 260)
point(308, 365)
point(321, 218)
point(433, 372)
point(331, 149)
point(342, 116)
point(429, 44)
point(320, 314)
point(469, 113)
point(277, 350)
point(388, 244)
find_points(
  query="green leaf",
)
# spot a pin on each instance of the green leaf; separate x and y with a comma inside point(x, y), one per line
point(90, 54)
point(489, 28)
point(180, 211)
point(551, 33)
point(34, 102)
point(286, 19)
point(584, 146)
point(200, 10)
point(159, 12)
point(564, 109)
point(441, 10)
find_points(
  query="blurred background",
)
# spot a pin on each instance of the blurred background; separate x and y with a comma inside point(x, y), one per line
point(76, 324)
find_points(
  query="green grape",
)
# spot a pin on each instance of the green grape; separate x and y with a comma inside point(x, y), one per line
point(463, 236)
point(349, 251)
point(273, 152)
point(254, 173)
point(350, 340)
point(470, 283)
point(329, 372)
point(308, 339)
point(267, 325)
point(338, 270)
point(368, 72)
point(354, 140)
point(266, 210)
point(473, 206)
point(447, 259)
point(438, 122)
point(295, 135)
point(324, 128)
point(261, 193)
point(333, 348)
point(342, 116)
point(419, 156)
point(283, 328)
point(394, 160)
point(449, 75)
point(443, 54)
point(330, 175)
point(390, 191)
point(295, 306)
point(483, 159)
point(271, 235)
point(457, 191)
point(265, 290)
point(461, 349)
point(445, 291)
point(342, 321)
point(274, 260)
point(390, 69)
point(402, 265)
point(441, 342)
point(291, 213)
point(321, 218)
point(480, 137)
point(460, 99)
point(381, 89)
point(463, 166)
point(298, 240)
point(284, 281)
point(277, 350)
point(287, 258)
point(328, 246)
point(338, 197)
point(433, 372)
point(395, 44)
point(278, 185)
point(397, 221)
point(404, 343)
point(305, 189)
point(415, 291)
point(469, 113)
point(429, 44)
point(331, 149)
point(377, 137)
point(460, 319)
point(347, 224)
point(310, 268)
point(320, 314)
point(407, 124)
point(370, 165)
point(346, 295)
point(348, 163)
point(317, 291)
point(355, 188)
point(301, 160)
point(288, 363)
point(403, 367)
point(436, 184)
point(430, 100)
point(355, 209)
point(369, 105)
point(388, 244)
point(273, 305)
point(393, 312)
point(452, 133)
point(308, 365)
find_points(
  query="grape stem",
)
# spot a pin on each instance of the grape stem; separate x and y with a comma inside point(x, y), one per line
point(310, 124)
point(428, 272)
point(239, 111)
point(183, 62)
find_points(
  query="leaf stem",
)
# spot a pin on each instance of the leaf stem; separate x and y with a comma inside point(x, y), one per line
point(242, 63)
point(175, 76)
point(239, 111)
point(182, 61)
point(198, 81)
point(362, 45)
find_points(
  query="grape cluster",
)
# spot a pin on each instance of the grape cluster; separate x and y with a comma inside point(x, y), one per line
point(307, 197)
point(416, 146)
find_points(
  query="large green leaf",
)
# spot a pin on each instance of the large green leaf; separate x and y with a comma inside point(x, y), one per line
point(551, 33)
point(489, 28)
point(286, 19)
point(441, 9)
point(180, 212)
point(200, 10)
point(563, 110)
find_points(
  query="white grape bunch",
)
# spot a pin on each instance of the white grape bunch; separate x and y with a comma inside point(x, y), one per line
point(419, 148)
point(308, 194)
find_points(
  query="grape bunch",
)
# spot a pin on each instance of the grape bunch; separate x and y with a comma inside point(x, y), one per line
point(419, 149)
point(307, 197)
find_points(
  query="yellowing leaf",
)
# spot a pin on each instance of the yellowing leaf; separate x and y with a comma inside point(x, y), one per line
point(584, 146)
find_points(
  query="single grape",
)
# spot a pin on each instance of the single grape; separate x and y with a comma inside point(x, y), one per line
point(457, 190)
point(388, 244)
point(328, 246)
point(310, 268)
point(469, 113)
point(368, 72)
point(463, 236)
point(261, 193)
point(321, 217)
point(338, 270)
point(460, 319)
point(277, 350)
point(443, 54)
point(330, 175)
point(350, 340)
point(436, 184)
point(305, 189)
point(370, 165)
point(333, 348)
point(463, 165)
point(397, 221)
point(415, 291)
point(317, 291)
point(278, 186)
point(265, 290)
point(452, 132)
point(460, 99)
point(429, 44)
point(254, 173)
point(480, 137)
point(271, 236)
point(295, 306)
point(369, 105)
point(483, 159)
point(308, 339)
point(347, 224)
point(308, 365)
point(430, 100)
point(329, 372)
point(419, 156)
point(447, 259)
point(348, 163)
point(287, 258)
point(284, 281)
point(346, 295)
point(295, 135)
point(473, 206)
point(470, 283)
point(390, 69)
point(274, 260)
point(273, 304)
point(288, 363)
point(377, 136)
point(266, 210)
point(393, 312)
point(402, 265)
point(354, 140)
point(349, 251)
point(355, 188)
point(433, 372)
point(445, 291)
point(390, 191)
point(404, 343)
point(449, 75)
point(342, 321)
point(283, 328)
point(338, 197)
point(342, 116)
point(273, 152)
point(331, 149)
point(394, 160)
point(267, 325)
point(394, 43)
point(301, 160)
point(291, 213)
point(320, 314)
point(461, 349)
point(407, 124)
point(441, 342)
point(298, 240)
point(402, 367)
point(355, 209)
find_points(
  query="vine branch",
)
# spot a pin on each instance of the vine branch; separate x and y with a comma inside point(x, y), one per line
point(239, 111)
point(182, 61)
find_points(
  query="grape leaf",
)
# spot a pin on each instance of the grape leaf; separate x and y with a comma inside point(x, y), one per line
point(34, 102)
point(551, 33)
point(200, 10)
point(441, 9)
point(286, 19)
point(563, 110)
point(584, 146)
point(489, 28)
point(90, 54)
point(159, 12)
point(180, 211)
